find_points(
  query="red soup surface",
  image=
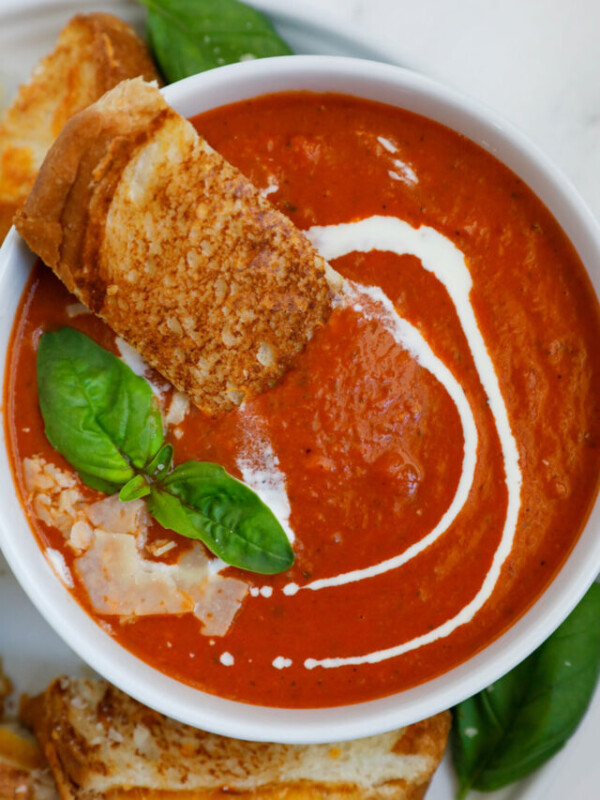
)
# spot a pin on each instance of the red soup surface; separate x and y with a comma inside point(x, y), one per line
point(436, 442)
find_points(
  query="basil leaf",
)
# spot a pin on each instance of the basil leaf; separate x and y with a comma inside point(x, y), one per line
point(201, 501)
point(190, 36)
point(511, 728)
point(102, 417)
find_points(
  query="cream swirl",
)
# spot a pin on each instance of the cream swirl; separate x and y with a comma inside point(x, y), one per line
point(443, 259)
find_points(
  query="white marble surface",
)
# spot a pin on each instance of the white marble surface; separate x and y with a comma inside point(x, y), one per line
point(537, 62)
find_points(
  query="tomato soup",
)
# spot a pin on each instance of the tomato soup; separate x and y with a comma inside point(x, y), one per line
point(432, 454)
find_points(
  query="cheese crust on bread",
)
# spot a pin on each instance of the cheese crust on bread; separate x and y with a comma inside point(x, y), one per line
point(175, 249)
point(102, 744)
point(94, 52)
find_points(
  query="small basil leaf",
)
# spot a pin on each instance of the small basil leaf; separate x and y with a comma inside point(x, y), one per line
point(101, 416)
point(134, 489)
point(190, 36)
point(159, 466)
point(511, 728)
point(201, 501)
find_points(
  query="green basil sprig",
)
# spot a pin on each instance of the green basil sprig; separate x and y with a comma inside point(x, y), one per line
point(511, 728)
point(106, 422)
point(190, 36)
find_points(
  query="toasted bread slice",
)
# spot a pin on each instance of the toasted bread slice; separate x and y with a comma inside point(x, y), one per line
point(94, 52)
point(175, 248)
point(24, 773)
point(102, 744)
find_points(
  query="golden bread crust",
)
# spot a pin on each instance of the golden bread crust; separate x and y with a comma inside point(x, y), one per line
point(94, 52)
point(101, 743)
point(175, 249)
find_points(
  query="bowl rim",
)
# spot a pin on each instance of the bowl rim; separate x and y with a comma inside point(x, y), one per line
point(301, 726)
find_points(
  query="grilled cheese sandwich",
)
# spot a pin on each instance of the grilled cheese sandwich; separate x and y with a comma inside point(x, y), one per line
point(94, 52)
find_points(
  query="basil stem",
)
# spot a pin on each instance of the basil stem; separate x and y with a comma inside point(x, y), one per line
point(134, 489)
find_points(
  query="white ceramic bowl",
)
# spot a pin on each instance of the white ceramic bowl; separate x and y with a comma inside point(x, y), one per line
point(418, 94)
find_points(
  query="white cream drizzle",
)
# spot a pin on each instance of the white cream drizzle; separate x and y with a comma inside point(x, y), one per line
point(132, 358)
point(259, 466)
point(271, 187)
point(57, 560)
point(372, 303)
point(138, 365)
point(441, 257)
point(282, 663)
point(387, 144)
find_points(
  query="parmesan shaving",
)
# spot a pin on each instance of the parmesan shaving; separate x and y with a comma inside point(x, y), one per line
point(113, 515)
point(82, 536)
point(120, 581)
point(220, 602)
